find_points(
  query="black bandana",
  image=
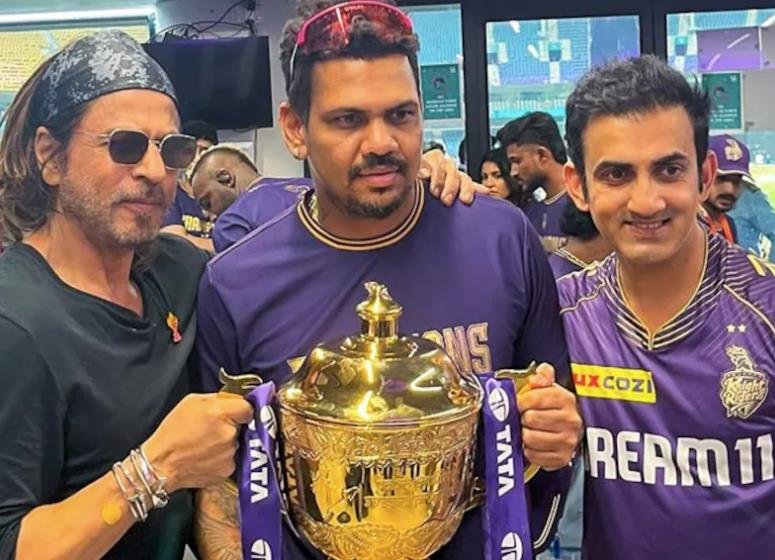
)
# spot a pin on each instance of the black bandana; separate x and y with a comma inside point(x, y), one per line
point(93, 66)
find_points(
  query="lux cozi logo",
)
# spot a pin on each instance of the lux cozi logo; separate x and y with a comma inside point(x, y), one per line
point(623, 384)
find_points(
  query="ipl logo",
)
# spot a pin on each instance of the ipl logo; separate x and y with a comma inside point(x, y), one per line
point(269, 421)
point(511, 547)
point(499, 404)
point(261, 550)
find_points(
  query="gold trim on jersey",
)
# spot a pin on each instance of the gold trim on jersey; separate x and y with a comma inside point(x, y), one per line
point(555, 198)
point(672, 330)
point(306, 212)
point(758, 312)
point(562, 252)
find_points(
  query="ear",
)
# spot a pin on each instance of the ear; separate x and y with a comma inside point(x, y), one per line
point(293, 130)
point(708, 174)
point(543, 154)
point(45, 150)
point(575, 185)
point(226, 178)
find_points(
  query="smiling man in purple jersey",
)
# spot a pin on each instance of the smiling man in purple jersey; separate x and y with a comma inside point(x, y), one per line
point(671, 338)
point(486, 293)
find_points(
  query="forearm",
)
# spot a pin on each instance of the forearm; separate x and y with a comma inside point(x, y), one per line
point(216, 526)
point(85, 526)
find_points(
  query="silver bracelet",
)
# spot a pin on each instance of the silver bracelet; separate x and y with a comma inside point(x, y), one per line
point(152, 483)
point(137, 500)
point(158, 481)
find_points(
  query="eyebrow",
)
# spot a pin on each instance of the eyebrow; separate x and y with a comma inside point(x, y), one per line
point(410, 104)
point(675, 157)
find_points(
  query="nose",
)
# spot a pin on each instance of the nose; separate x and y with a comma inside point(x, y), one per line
point(645, 197)
point(488, 182)
point(379, 138)
point(514, 170)
point(151, 167)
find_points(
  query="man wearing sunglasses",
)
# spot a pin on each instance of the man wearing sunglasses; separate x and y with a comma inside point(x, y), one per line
point(98, 440)
point(485, 292)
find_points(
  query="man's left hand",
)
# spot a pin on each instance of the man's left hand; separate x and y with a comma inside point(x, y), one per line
point(447, 183)
point(551, 425)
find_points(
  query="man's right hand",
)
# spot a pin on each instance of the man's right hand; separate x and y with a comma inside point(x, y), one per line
point(195, 444)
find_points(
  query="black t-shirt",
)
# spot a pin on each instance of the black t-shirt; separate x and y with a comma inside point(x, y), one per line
point(84, 381)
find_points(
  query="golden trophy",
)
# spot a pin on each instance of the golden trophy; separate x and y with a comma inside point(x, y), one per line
point(379, 436)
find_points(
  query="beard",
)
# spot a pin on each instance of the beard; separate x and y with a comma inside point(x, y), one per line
point(97, 212)
point(363, 209)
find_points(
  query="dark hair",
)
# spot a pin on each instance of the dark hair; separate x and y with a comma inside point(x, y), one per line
point(498, 157)
point(434, 145)
point(535, 128)
point(577, 223)
point(26, 201)
point(201, 130)
point(364, 44)
point(626, 87)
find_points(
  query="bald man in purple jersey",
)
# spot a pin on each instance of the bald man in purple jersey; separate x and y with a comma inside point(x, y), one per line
point(486, 293)
point(671, 338)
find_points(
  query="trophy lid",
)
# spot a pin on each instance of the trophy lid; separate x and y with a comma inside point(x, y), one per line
point(380, 376)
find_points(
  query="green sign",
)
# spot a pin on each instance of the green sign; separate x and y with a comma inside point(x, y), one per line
point(726, 98)
point(441, 91)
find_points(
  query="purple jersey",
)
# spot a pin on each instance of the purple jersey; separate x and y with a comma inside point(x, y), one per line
point(545, 217)
point(264, 200)
point(564, 262)
point(680, 422)
point(186, 211)
point(485, 294)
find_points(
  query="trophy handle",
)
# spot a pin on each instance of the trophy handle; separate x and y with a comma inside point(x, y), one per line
point(237, 385)
point(521, 378)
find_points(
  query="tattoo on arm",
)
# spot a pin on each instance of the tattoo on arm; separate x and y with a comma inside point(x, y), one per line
point(217, 528)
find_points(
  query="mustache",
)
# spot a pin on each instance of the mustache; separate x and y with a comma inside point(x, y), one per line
point(149, 193)
point(372, 161)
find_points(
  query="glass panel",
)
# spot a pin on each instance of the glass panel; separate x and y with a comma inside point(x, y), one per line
point(24, 50)
point(733, 53)
point(533, 65)
point(441, 67)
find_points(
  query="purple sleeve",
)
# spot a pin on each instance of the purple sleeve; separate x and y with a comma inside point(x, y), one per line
point(543, 340)
point(231, 226)
point(216, 339)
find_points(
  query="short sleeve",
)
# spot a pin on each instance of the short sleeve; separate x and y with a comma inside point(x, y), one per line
point(542, 338)
point(31, 432)
point(216, 343)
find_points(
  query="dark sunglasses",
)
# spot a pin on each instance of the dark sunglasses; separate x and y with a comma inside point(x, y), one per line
point(128, 147)
point(330, 29)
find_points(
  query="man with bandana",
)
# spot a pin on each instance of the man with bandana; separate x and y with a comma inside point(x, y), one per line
point(98, 440)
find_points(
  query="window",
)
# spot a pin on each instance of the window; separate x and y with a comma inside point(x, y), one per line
point(441, 73)
point(733, 54)
point(533, 65)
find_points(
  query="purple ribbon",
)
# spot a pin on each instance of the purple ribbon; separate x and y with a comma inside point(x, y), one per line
point(505, 517)
point(260, 498)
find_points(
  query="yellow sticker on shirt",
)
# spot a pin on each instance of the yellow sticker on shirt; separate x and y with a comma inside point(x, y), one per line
point(621, 384)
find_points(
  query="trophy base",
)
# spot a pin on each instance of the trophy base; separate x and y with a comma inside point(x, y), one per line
point(374, 542)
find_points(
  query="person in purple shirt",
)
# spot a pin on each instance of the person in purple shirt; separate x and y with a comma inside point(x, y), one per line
point(486, 294)
point(671, 339)
point(537, 155)
point(585, 245)
point(227, 184)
